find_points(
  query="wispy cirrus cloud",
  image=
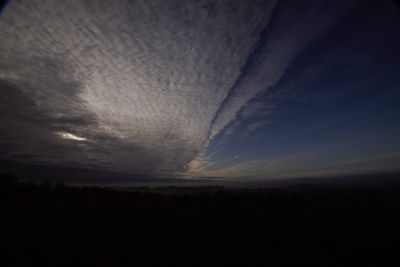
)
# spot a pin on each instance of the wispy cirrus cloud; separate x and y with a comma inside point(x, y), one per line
point(149, 83)
point(304, 164)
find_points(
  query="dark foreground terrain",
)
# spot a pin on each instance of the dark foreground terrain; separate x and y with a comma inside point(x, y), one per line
point(57, 225)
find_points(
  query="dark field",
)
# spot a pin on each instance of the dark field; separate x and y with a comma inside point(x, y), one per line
point(46, 225)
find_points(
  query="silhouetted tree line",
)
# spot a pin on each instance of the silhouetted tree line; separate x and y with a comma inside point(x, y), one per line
point(12, 187)
point(58, 225)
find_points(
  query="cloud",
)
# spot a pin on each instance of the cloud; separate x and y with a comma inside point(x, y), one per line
point(257, 108)
point(71, 136)
point(302, 165)
point(256, 125)
point(150, 83)
point(279, 43)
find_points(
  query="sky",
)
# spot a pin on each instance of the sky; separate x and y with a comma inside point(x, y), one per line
point(229, 91)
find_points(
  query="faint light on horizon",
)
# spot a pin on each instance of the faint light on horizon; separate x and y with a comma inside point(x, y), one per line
point(70, 136)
